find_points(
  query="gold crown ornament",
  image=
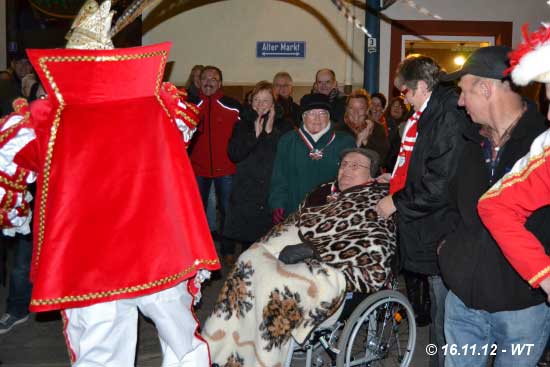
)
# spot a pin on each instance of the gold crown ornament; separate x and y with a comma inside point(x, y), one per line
point(91, 29)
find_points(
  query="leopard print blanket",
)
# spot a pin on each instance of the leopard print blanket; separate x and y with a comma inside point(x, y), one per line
point(265, 302)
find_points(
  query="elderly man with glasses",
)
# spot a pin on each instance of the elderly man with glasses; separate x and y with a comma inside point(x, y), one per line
point(306, 157)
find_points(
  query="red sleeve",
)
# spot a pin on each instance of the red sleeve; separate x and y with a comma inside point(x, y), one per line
point(505, 208)
point(184, 114)
point(16, 133)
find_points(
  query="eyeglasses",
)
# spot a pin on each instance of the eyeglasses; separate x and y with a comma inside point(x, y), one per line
point(320, 114)
point(211, 80)
point(354, 166)
point(281, 85)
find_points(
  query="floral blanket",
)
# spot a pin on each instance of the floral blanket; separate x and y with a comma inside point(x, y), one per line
point(264, 302)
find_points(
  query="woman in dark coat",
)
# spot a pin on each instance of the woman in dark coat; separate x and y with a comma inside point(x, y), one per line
point(396, 115)
point(252, 147)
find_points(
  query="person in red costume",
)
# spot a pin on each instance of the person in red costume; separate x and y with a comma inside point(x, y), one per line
point(504, 209)
point(117, 223)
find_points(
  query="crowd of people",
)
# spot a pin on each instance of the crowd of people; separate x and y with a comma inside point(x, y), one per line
point(464, 137)
point(449, 178)
point(265, 154)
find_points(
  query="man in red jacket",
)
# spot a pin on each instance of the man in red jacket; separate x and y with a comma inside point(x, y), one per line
point(209, 148)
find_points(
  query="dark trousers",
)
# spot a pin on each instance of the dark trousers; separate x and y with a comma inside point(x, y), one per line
point(418, 293)
point(19, 293)
point(222, 186)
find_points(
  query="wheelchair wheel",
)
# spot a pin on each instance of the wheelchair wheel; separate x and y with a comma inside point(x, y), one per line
point(380, 332)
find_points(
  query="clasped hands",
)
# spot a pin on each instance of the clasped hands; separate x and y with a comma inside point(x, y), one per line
point(258, 124)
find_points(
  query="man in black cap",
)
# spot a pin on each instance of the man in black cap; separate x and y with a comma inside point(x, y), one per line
point(306, 157)
point(490, 309)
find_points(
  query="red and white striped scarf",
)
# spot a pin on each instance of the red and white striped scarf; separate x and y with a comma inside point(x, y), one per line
point(399, 175)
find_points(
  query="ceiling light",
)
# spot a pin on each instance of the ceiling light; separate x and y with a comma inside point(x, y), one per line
point(459, 60)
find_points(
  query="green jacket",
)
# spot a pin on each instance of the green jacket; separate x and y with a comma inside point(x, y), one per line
point(295, 174)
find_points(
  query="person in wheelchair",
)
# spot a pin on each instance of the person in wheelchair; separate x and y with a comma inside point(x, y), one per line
point(297, 276)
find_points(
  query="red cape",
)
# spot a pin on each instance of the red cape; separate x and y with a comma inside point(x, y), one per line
point(118, 213)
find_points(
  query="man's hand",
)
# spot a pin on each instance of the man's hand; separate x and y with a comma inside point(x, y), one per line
point(385, 207)
point(384, 178)
point(545, 285)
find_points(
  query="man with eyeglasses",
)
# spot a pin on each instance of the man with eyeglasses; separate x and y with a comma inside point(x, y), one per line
point(306, 157)
point(282, 88)
point(419, 184)
point(209, 158)
point(325, 83)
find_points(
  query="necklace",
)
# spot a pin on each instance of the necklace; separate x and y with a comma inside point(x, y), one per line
point(314, 153)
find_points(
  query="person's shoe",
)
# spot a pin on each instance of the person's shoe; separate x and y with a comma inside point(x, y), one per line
point(7, 322)
point(423, 320)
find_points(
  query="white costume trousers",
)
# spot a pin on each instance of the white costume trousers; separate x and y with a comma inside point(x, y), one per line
point(105, 334)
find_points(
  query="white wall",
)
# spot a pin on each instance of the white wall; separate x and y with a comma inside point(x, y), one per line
point(3, 29)
point(225, 34)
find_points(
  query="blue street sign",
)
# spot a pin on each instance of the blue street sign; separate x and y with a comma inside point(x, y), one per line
point(292, 49)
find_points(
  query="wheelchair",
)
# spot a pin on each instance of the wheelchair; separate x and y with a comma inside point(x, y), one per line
point(380, 331)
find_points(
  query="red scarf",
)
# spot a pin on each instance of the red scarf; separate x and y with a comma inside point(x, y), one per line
point(399, 175)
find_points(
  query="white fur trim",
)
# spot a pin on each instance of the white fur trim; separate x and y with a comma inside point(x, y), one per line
point(11, 121)
point(22, 224)
point(534, 66)
point(186, 131)
point(12, 147)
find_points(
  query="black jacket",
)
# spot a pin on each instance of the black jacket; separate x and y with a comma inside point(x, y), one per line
point(394, 141)
point(291, 111)
point(471, 262)
point(423, 216)
point(248, 216)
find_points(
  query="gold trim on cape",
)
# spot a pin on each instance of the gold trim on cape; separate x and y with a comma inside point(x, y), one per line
point(43, 61)
point(114, 292)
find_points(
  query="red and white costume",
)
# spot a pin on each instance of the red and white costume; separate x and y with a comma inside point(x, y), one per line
point(505, 208)
point(117, 214)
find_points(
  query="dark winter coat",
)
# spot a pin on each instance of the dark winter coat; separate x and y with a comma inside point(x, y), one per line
point(471, 262)
point(291, 111)
point(295, 174)
point(423, 214)
point(394, 141)
point(248, 217)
